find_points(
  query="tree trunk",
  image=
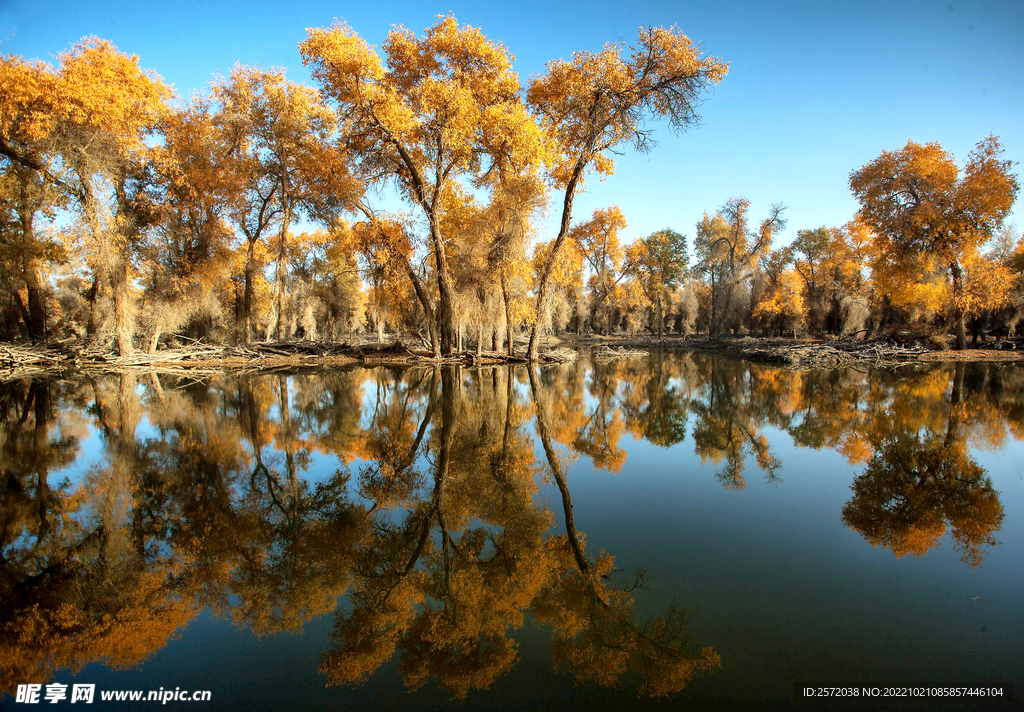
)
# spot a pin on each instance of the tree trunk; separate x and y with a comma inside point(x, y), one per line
point(713, 312)
point(22, 311)
point(428, 310)
point(120, 284)
point(446, 315)
point(103, 247)
point(36, 311)
point(955, 400)
point(445, 289)
point(156, 339)
point(958, 311)
point(240, 325)
point(661, 318)
point(509, 335)
point(249, 319)
point(279, 277)
point(90, 325)
point(279, 287)
point(549, 263)
point(121, 289)
point(556, 471)
point(36, 323)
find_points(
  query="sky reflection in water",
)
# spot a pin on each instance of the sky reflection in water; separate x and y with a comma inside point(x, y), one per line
point(665, 527)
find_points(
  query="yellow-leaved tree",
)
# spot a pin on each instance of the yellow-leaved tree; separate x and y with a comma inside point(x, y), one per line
point(106, 108)
point(920, 206)
point(727, 251)
point(190, 256)
point(288, 164)
point(598, 242)
point(28, 182)
point(439, 110)
point(658, 262)
point(594, 103)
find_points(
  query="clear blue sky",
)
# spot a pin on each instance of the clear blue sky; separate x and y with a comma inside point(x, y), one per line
point(815, 89)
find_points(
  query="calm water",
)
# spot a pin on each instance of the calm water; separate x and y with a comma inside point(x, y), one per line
point(656, 532)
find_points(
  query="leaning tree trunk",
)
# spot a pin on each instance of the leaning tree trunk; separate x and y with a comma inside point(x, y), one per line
point(155, 341)
point(445, 312)
point(543, 426)
point(556, 246)
point(428, 310)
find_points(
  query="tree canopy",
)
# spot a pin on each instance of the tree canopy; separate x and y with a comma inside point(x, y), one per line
point(263, 208)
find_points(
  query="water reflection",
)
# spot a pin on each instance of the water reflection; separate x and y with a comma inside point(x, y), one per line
point(918, 482)
point(414, 495)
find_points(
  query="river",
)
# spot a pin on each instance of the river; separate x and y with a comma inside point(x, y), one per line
point(642, 533)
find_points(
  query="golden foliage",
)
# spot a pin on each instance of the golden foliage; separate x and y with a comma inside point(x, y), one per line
point(923, 211)
point(596, 101)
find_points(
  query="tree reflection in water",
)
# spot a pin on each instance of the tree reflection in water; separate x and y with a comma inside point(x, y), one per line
point(415, 495)
point(916, 484)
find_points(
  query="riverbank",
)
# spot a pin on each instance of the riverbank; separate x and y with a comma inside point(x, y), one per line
point(59, 358)
point(809, 353)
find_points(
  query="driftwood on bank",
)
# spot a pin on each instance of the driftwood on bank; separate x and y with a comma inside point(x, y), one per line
point(796, 353)
point(200, 358)
point(18, 360)
point(834, 354)
point(604, 352)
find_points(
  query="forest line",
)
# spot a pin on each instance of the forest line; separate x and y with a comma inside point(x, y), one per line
point(135, 220)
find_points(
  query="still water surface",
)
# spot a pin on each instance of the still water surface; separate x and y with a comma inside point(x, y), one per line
point(675, 529)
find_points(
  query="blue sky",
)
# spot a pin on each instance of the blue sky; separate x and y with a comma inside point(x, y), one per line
point(815, 89)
